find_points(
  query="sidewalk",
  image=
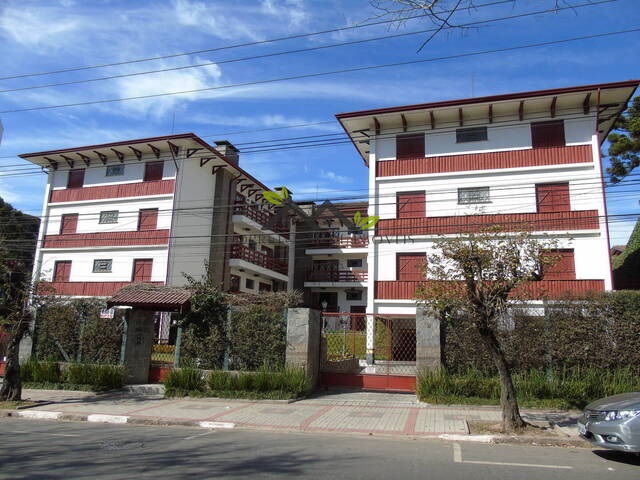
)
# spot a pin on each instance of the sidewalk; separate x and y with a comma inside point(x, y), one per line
point(333, 411)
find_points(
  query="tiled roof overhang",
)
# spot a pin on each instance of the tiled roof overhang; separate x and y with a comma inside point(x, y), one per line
point(167, 299)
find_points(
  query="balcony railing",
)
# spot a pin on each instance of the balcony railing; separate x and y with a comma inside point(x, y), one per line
point(257, 215)
point(359, 241)
point(250, 255)
point(83, 289)
point(337, 276)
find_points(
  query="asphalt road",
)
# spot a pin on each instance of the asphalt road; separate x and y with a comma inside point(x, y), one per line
point(36, 449)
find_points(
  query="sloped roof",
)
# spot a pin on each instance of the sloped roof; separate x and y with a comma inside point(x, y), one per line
point(151, 297)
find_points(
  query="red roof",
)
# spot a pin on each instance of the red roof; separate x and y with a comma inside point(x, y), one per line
point(173, 299)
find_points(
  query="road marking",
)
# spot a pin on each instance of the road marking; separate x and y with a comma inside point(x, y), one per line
point(456, 437)
point(100, 418)
point(39, 414)
point(217, 424)
point(457, 458)
point(198, 435)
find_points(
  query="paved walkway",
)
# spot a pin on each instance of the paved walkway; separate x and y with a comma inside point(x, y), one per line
point(333, 411)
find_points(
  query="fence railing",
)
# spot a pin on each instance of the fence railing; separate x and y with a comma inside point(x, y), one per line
point(259, 216)
point(337, 276)
point(340, 242)
point(250, 255)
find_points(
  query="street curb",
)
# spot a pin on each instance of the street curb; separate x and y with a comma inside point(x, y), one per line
point(541, 441)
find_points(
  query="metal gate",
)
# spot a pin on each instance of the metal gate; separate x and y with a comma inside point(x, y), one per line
point(369, 351)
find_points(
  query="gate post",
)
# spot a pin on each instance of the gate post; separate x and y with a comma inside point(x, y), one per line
point(428, 349)
point(137, 350)
point(303, 340)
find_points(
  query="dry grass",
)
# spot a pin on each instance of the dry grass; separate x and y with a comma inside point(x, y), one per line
point(477, 427)
point(16, 405)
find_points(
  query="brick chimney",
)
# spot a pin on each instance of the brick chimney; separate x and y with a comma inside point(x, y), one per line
point(227, 149)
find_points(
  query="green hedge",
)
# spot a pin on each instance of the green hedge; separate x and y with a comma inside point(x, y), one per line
point(72, 376)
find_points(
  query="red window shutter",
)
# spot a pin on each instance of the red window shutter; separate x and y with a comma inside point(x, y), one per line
point(142, 270)
point(76, 179)
point(564, 268)
point(409, 146)
point(62, 271)
point(553, 197)
point(69, 224)
point(411, 205)
point(148, 219)
point(153, 171)
point(548, 134)
point(410, 266)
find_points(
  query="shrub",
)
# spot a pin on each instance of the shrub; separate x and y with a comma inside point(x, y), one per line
point(267, 382)
point(40, 371)
point(184, 380)
point(258, 336)
point(100, 377)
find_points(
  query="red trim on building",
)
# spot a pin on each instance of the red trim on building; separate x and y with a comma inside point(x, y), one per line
point(396, 383)
point(122, 190)
point(84, 289)
point(107, 239)
point(537, 157)
point(397, 290)
point(530, 222)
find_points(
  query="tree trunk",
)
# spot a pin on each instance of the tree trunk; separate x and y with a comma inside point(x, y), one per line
point(511, 419)
point(12, 385)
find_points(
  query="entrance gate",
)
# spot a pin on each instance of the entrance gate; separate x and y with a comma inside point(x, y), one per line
point(369, 351)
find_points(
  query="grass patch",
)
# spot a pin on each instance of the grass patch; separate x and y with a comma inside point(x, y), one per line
point(58, 386)
point(185, 379)
point(15, 405)
point(73, 376)
point(479, 427)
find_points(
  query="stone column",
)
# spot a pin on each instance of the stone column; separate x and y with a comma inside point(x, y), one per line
point(137, 352)
point(428, 349)
point(303, 340)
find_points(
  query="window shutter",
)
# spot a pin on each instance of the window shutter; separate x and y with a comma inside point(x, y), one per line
point(410, 266)
point(548, 134)
point(69, 224)
point(62, 271)
point(142, 270)
point(564, 268)
point(409, 146)
point(553, 197)
point(411, 205)
point(148, 219)
point(153, 171)
point(76, 179)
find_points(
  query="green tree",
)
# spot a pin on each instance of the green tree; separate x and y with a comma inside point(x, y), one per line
point(476, 277)
point(624, 147)
point(19, 234)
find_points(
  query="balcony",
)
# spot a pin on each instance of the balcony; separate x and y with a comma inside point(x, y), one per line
point(107, 239)
point(122, 190)
point(261, 217)
point(242, 252)
point(336, 276)
point(359, 241)
point(83, 289)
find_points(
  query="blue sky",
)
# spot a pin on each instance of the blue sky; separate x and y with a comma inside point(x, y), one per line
point(48, 35)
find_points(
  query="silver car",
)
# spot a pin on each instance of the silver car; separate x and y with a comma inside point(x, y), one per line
point(613, 422)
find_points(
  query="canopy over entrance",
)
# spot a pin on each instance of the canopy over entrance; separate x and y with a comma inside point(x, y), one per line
point(151, 297)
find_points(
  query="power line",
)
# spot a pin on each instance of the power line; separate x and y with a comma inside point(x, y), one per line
point(301, 50)
point(321, 74)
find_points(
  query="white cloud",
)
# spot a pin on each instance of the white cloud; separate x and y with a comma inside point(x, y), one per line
point(334, 177)
point(211, 19)
point(36, 27)
point(292, 11)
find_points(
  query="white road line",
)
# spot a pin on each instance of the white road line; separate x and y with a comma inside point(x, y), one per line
point(217, 424)
point(457, 453)
point(457, 458)
point(39, 414)
point(100, 418)
point(198, 435)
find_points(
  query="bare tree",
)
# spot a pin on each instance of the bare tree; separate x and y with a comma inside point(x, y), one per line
point(479, 276)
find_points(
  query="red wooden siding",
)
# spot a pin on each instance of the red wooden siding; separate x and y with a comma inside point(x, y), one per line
point(123, 190)
point(513, 222)
point(153, 171)
point(485, 161)
point(409, 146)
point(142, 270)
point(404, 290)
point(107, 239)
point(409, 266)
point(553, 197)
point(547, 134)
point(75, 178)
point(410, 205)
point(62, 271)
point(564, 268)
point(69, 224)
point(86, 289)
point(147, 219)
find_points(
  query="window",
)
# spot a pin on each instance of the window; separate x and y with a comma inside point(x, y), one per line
point(102, 266)
point(410, 205)
point(115, 170)
point(69, 224)
point(264, 287)
point(235, 283)
point(547, 134)
point(467, 196)
point(142, 270)
point(354, 262)
point(473, 134)
point(563, 267)
point(109, 216)
point(409, 146)
point(76, 179)
point(410, 266)
point(153, 171)
point(354, 294)
point(62, 271)
point(249, 283)
point(148, 219)
point(553, 197)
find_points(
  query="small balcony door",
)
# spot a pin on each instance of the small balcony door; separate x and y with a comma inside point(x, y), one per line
point(69, 224)
point(148, 219)
point(142, 270)
point(62, 271)
point(410, 266)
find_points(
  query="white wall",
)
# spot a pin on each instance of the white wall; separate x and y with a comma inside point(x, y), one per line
point(122, 264)
point(257, 280)
point(89, 215)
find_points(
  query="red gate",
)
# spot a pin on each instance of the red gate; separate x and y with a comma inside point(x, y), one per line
point(346, 360)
